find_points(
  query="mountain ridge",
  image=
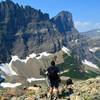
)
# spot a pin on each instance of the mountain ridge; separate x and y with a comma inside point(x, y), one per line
point(26, 30)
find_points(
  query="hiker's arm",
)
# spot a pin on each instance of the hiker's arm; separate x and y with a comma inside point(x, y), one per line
point(46, 72)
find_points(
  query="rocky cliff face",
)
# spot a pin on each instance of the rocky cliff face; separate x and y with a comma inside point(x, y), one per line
point(24, 30)
point(71, 37)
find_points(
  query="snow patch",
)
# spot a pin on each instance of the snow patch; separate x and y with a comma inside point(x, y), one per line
point(35, 79)
point(43, 54)
point(76, 41)
point(2, 76)
point(66, 50)
point(6, 68)
point(10, 85)
point(86, 71)
point(94, 49)
point(33, 55)
point(90, 64)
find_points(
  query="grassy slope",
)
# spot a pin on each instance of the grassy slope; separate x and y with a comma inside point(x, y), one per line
point(72, 65)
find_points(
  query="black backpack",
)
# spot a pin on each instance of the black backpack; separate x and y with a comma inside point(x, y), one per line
point(69, 82)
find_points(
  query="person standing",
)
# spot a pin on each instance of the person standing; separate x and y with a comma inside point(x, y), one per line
point(54, 79)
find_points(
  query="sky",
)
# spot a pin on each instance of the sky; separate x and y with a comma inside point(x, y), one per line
point(86, 13)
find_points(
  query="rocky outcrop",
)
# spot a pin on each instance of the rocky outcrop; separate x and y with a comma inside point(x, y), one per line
point(63, 22)
point(71, 37)
point(83, 90)
point(24, 30)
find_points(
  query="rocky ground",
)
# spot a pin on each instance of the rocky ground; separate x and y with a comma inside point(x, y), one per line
point(83, 90)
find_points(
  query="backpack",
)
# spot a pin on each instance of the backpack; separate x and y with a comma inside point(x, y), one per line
point(69, 82)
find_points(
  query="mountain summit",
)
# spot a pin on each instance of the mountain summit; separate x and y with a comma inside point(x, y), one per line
point(64, 21)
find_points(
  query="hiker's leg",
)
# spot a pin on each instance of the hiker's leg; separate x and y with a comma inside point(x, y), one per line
point(50, 92)
point(55, 90)
point(56, 93)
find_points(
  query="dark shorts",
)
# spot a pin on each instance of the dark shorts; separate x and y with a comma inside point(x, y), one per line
point(54, 84)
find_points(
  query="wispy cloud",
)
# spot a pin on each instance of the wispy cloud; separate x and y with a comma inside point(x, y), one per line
point(85, 26)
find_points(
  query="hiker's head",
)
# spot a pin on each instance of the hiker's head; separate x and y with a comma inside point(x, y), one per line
point(53, 63)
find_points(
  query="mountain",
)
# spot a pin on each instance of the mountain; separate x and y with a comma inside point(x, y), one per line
point(24, 30)
point(92, 33)
point(27, 34)
point(93, 39)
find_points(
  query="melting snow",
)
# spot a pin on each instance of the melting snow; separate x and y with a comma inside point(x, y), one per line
point(66, 50)
point(76, 41)
point(10, 85)
point(25, 60)
point(32, 55)
point(90, 64)
point(7, 69)
point(94, 49)
point(2, 76)
point(35, 79)
point(86, 71)
point(43, 54)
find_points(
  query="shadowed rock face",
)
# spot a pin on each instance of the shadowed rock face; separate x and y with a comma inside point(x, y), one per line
point(63, 21)
point(24, 30)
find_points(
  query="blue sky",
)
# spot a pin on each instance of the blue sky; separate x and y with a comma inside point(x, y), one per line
point(86, 13)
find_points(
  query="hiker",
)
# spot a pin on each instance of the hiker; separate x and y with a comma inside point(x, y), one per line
point(54, 79)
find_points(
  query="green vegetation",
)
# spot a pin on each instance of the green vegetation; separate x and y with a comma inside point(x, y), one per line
point(69, 62)
point(74, 67)
point(80, 75)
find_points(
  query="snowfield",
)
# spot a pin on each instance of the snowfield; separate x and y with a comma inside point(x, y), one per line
point(66, 50)
point(2, 76)
point(33, 55)
point(90, 64)
point(43, 54)
point(10, 85)
point(94, 49)
point(7, 69)
point(35, 79)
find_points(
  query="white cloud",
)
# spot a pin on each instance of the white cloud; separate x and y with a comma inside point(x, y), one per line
point(97, 25)
point(85, 26)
